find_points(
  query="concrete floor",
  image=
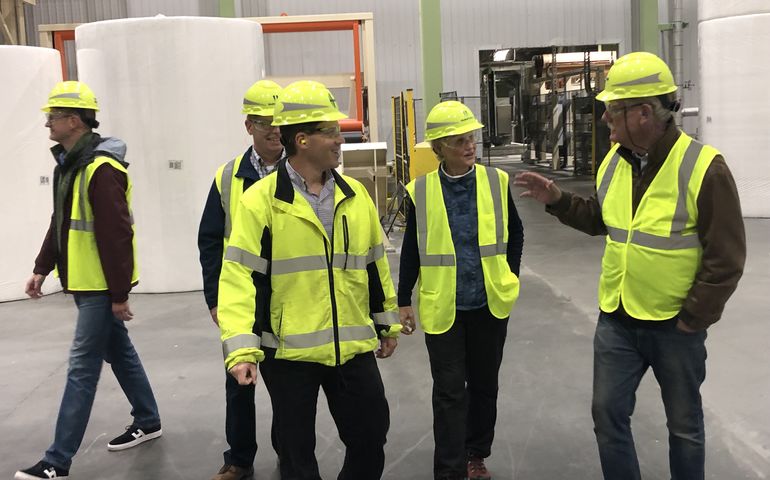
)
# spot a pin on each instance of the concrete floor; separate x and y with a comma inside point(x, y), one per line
point(544, 430)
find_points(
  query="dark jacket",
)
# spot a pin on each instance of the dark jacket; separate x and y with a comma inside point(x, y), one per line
point(720, 229)
point(211, 232)
point(112, 219)
point(409, 268)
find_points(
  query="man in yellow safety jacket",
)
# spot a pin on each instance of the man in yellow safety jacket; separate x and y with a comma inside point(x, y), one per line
point(230, 181)
point(91, 244)
point(464, 241)
point(305, 289)
point(675, 249)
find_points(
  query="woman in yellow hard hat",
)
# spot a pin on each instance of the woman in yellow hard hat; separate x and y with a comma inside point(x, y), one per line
point(463, 241)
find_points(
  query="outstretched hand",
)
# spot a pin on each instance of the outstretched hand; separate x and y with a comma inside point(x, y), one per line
point(538, 187)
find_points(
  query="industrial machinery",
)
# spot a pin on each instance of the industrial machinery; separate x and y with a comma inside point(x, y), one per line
point(539, 103)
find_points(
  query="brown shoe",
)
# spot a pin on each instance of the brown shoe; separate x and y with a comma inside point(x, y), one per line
point(231, 472)
point(477, 470)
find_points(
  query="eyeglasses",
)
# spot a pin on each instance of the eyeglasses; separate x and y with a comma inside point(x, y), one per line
point(263, 125)
point(50, 117)
point(330, 132)
point(459, 141)
point(614, 109)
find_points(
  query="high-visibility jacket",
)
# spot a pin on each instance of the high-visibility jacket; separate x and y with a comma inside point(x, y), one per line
point(328, 297)
point(651, 257)
point(84, 267)
point(438, 275)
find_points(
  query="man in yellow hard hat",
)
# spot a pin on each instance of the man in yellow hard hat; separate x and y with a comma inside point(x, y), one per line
point(230, 181)
point(305, 289)
point(675, 249)
point(463, 241)
point(91, 244)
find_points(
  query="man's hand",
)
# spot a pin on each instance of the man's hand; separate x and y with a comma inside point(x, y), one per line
point(684, 327)
point(406, 316)
point(122, 311)
point(34, 284)
point(213, 313)
point(538, 187)
point(245, 373)
point(387, 346)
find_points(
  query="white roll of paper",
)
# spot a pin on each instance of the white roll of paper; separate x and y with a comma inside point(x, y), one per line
point(735, 102)
point(713, 9)
point(29, 74)
point(172, 89)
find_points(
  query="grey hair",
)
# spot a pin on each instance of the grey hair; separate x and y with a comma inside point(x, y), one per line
point(434, 146)
point(662, 113)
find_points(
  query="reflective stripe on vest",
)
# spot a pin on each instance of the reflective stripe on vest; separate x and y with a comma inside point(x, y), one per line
point(421, 210)
point(227, 185)
point(677, 240)
point(438, 285)
point(80, 224)
point(653, 253)
point(85, 272)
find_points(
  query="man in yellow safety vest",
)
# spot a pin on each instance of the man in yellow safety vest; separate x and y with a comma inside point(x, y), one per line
point(230, 181)
point(91, 244)
point(305, 289)
point(675, 249)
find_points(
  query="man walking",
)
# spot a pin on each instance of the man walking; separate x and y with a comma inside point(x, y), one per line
point(231, 180)
point(305, 289)
point(91, 244)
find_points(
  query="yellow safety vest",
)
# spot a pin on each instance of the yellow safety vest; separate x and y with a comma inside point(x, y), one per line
point(651, 258)
point(84, 267)
point(438, 276)
point(320, 300)
point(230, 191)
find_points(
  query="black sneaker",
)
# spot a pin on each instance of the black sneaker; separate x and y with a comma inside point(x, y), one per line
point(41, 470)
point(134, 436)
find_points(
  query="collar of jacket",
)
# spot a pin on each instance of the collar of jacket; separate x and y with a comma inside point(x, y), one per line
point(658, 152)
point(80, 153)
point(246, 168)
point(284, 190)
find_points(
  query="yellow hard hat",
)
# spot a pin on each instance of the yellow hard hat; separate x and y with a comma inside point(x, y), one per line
point(637, 75)
point(260, 98)
point(71, 95)
point(450, 118)
point(306, 101)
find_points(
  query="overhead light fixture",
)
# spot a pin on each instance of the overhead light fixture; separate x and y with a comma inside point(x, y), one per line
point(504, 55)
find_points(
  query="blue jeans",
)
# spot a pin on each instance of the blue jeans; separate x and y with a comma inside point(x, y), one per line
point(98, 336)
point(623, 350)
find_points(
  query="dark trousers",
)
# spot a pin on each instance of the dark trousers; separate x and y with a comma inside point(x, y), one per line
point(464, 362)
point(357, 402)
point(623, 351)
point(240, 424)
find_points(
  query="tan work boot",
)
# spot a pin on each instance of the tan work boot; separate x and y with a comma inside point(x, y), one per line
point(477, 470)
point(231, 472)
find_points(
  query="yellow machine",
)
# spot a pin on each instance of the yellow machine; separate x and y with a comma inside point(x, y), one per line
point(422, 160)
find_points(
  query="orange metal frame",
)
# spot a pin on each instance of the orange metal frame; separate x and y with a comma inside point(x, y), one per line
point(58, 43)
point(61, 36)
